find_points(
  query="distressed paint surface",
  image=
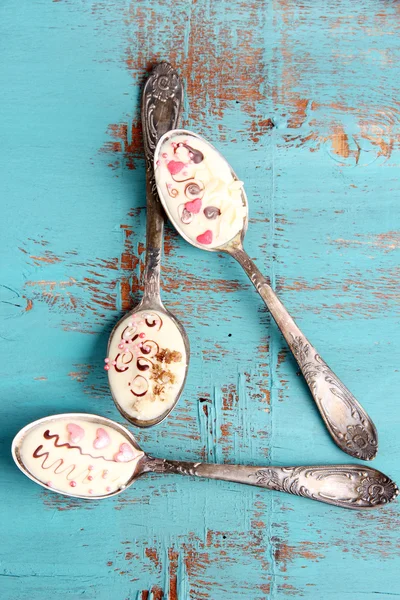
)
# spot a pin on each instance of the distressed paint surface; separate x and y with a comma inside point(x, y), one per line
point(303, 101)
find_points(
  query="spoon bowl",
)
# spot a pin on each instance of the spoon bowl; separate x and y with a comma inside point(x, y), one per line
point(92, 457)
point(148, 355)
point(176, 192)
point(74, 454)
point(206, 203)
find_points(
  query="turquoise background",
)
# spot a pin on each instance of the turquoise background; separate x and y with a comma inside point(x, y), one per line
point(303, 101)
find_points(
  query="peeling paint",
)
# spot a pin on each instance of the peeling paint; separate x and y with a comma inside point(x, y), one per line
point(302, 98)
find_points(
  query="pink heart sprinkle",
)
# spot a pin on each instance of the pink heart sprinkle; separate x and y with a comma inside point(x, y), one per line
point(194, 206)
point(102, 439)
point(76, 433)
point(174, 166)
point(205, 238)
point(125, 453)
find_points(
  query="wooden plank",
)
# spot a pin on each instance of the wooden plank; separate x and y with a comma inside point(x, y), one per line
point(302, 99)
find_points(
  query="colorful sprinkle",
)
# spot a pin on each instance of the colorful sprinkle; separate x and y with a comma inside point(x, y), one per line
point(121, 346)
point(49, 484)
point(125, 453)
point(72, 483)
point(142, 335)
point(76, 432)
point(108, 489)
point(106, 367)
point(175, 166)
point(205, 238)
point(105, 473)
point(90, 477)
point(194, 206)
point(102, 439)
point(90, 491)
point(106, 360)
point(90, 467)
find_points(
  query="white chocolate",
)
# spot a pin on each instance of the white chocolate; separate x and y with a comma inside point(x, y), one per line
point(74, 465)
point(215, 185)
point(126, 379)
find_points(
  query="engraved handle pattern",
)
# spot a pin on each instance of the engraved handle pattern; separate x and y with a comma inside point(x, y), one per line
point(347, 486)
point(161, 109)
point(346, 420)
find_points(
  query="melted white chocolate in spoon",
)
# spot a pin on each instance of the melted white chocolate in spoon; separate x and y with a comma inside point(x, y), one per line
point(146, 364)
point(79, 457)
point(199, 190)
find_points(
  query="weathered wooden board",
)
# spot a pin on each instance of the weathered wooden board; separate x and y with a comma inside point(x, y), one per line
point(303, 100)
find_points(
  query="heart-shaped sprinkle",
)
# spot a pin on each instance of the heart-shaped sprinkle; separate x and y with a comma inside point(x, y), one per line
point(76, 433)
point(194, 206)
point(102, 439)
point(205, 238)
point(125, 453)
point(175, 166)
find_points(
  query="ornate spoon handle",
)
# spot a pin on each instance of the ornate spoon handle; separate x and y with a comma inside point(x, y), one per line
point(349, 486)
point(346, 420)
point(161, 110)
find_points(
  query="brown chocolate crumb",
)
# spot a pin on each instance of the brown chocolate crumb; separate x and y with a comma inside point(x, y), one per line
point(161, 377)
point(156, 370)
point(158, 390)
point(168, 356)
point(167, 377)
point(160, 374)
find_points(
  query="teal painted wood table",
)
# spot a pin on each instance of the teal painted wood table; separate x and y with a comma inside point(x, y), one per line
point(302, 98)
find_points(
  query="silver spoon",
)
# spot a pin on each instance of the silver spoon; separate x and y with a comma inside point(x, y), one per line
point(148, 351)
point(198, 190)
point(88, 456)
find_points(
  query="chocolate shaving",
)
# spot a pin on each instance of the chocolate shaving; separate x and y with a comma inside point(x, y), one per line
point(193, 190)
point(149, 346)
point(186, 216)
point(143, 364)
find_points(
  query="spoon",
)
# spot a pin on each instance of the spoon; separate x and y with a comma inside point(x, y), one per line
point(88, 456)
point(206, 203)
point(148, 351)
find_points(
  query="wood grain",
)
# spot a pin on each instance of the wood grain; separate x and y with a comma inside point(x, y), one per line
point(302, 98)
